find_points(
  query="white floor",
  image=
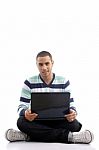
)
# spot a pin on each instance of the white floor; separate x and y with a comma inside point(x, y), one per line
point(44, 146)
point(5, 145)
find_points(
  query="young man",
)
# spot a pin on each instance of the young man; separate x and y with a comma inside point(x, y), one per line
point(64, 131)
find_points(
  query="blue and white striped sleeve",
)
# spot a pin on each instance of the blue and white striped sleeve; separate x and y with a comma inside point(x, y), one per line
point(25, 98)
point(68, 89)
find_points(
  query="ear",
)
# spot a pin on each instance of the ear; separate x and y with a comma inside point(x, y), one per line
point(52, 62)
point(36, 64)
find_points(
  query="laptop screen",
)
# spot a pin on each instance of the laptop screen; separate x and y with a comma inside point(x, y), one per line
point(50, 105)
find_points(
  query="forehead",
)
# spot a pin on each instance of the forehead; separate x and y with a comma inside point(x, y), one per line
point(43, 59)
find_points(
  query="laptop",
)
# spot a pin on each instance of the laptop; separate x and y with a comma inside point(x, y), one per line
point(50, 106)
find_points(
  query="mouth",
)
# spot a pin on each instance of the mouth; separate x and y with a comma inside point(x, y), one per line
point(45, 72)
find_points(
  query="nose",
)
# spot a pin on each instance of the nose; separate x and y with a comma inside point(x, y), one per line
point(44, 67)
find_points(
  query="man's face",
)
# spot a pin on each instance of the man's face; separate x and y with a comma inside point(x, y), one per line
point(44, 65)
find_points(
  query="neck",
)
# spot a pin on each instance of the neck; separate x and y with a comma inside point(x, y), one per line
point(48, 79)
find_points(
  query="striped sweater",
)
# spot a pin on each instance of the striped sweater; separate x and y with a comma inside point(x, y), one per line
point(36, 84)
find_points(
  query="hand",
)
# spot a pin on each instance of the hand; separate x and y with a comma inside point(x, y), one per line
point(71, 116)
point(30, 116)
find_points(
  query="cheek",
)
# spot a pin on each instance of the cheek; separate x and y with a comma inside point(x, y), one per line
point(39, 69)
point(51, 67)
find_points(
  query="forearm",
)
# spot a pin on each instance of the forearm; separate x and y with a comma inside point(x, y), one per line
point(72, 106)
point(23, 106)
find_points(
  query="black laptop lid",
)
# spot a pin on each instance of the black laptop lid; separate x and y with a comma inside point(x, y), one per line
point(50, 105)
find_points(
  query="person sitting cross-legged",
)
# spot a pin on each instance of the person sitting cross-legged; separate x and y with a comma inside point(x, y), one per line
point(30, 128)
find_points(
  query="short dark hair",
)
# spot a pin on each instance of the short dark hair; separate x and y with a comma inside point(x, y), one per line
point(43, 54)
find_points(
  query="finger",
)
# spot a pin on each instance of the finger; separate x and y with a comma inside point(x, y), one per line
point(27, 112)
point(68, 115)
point(33, 116)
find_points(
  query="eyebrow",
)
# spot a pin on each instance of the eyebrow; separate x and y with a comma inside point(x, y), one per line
point(43, 63)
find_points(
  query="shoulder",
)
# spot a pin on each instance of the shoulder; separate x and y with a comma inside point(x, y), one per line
point(60, 79)
point(33, 79)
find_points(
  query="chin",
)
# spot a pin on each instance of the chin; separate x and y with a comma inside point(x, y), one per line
point(45, 75)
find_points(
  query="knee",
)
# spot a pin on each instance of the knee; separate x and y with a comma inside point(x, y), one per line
point(20, 122)
point(75, 126)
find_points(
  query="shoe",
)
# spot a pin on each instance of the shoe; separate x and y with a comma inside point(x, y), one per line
point(14, 135)
point(84, 137)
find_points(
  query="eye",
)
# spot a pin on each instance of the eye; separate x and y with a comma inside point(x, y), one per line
point(40, 64)
point(47, 63)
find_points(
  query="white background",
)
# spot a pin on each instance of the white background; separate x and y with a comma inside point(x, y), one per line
point(69, 29)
